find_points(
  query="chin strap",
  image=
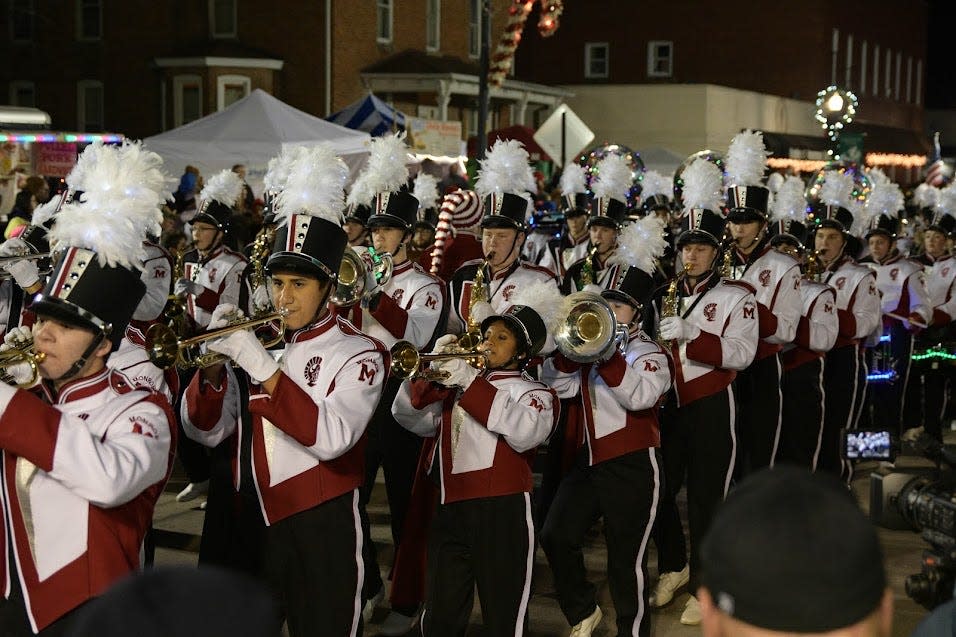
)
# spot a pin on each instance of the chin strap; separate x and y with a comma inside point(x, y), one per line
point(81, 361)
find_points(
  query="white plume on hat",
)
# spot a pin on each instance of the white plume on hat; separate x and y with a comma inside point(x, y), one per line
point(44, 212)
point(573, 180)
point(790, 202)
point(703, 186)
point(277, 172)
point(426, 191)
point(124, 188)
point(224, 187)
point(926, 196)
point(90, 156)
point(655, 183)
point(613, 180)
point(641, 244)
point(774, 181)
point(505, 169)
point(746, 159)
point(837, 190)
point(885, 198)
point(384, 171)
point(314, 186)
point(945, 200)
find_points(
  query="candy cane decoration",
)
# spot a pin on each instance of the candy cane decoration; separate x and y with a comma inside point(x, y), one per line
point(518, 12)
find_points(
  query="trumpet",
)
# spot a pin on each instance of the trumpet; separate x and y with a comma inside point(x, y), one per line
point(407, 363)
point(350, 283)
point(165, 348)
point(21, 354)
point(472, 336)
point(5, 261)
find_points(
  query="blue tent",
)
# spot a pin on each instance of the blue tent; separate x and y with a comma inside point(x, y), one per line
point(369, 114)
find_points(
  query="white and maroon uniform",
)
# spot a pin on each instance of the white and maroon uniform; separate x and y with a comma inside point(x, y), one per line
point(305, 455)
point(157, 275)
point(132, 360)
point(500, 288)
point(620, 478)
point(562, 252)
point(486, 441)
point(858, 314)
point(605, 272)
point(700, 438)
point(903, 291)
point(941, 289)
point(802, 386)
point(220, 273)
point(82, 471)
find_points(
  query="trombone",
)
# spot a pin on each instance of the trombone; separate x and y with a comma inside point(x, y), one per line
point(165, 348)
point(23, 354)
point(407, 363)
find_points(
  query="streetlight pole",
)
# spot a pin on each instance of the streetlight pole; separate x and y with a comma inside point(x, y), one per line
point(484, 62)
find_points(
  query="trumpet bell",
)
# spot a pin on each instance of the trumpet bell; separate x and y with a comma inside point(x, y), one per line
point(405, 360)
point(162, 345)
point(588, 330)
point(350, 284)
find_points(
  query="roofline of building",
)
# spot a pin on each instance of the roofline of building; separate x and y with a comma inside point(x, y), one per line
point(207, 61)
point(462, 84)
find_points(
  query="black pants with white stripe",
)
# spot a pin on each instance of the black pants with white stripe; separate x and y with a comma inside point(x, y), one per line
point(758, 389)
point(886, 401)
point(699, 441)
point(313, 564)
point(626, 492)
point(841, 377)
point(802, 429)
point(486, 543)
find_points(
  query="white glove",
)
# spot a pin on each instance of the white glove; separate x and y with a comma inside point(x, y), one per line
point(18, 337)
point(185, 286)
point(260, 297)
point(24, 271)
point(244, 348)
point(460, 373)
point(481, 311)
point(15, 247)
point(674, 328)
point(443, 343)
point(223, 315)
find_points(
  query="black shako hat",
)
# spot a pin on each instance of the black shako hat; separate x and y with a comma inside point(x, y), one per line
point(214, 213)
point(788, 230)
point(505, 210)
point(394, 210)
point(608, 212)
point(699, 225)
point(632, 285)
point(791, 551)
point(747, 203)
point(576, 205)
point(527, 325)
point(886, 226)
point(310, 245)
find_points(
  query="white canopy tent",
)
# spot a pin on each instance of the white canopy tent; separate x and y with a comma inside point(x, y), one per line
point(252, 131)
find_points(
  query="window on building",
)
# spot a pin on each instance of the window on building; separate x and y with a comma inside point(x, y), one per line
point(596, 60)
point(383, 22)
point(21, 20)
point(231, 89)
point(187, 99)
point(660, 59)
point(474, 28)
point(222, 18)
point(433, 26)
point(22, 93)
point(89, 106)
point(876, 70)
point(89, 19)
point(919, 82)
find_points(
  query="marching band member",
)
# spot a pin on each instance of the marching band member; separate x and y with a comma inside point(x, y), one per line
point(904, 303)
point(24, 277)
point(573, 243)
point(656, 193)
point(713, 331)
point(940, 268)
point(409, 306)
point(355, 219)
point(608, 212)
point(503, 234)
point(802, 383)
point(487, 424)
point(858, 313)
point(299, 442)
point(775, 279)
point(421, 245)
point(616, 474)
point(212, 276)
point(81, 481)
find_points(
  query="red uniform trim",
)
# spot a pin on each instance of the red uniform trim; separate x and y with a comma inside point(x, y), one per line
point(706, 349)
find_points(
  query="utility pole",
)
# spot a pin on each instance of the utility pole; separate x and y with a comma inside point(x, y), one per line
point(485, 30)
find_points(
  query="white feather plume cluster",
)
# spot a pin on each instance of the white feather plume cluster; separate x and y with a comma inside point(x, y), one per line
point(426, 191)
point(90, 156)
point(655, 183)
point(543, 298)
point(703, 186)
point(945, 200)
point(885, 198)
point(790, 202)
point(877, 176)
point(384, 171)
point(505, 169)
point(277, 172)
point(926, 196)
point(837, 190)
point(314, 186)
point(224, 187)
point(44, 212)
point(573, 180)
point(613, 180)
point(641, 244)
point(774, 181)
point(746, 159)
point(123, 191)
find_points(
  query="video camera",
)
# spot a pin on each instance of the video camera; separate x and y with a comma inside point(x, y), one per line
point(917, 498)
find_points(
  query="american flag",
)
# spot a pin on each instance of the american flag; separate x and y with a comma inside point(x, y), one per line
point(938, 172)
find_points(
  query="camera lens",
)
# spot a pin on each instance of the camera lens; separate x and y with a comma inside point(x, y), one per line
point(919, 587)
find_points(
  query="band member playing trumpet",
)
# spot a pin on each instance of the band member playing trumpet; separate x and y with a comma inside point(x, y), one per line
point(616, 474)
point(299, 440)
point(85, 454)
point(487, 424)
point(713, 337)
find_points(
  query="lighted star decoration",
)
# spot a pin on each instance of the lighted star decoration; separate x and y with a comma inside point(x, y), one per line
point(836, 108)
